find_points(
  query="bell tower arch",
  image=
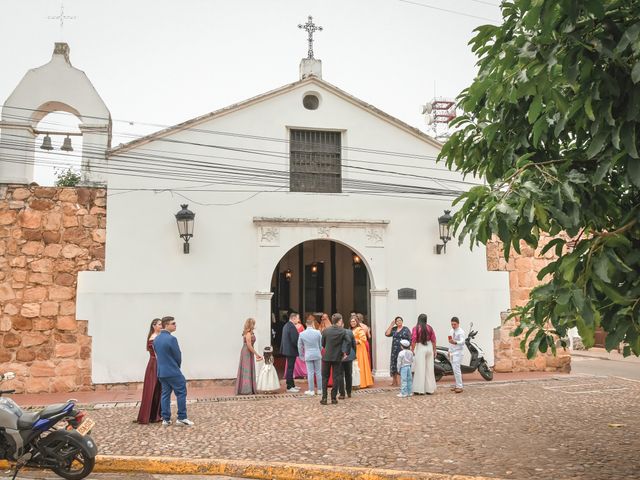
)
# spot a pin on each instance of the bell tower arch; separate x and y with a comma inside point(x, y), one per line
point(55, 86)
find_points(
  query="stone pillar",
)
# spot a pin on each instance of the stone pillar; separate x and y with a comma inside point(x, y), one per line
point(381, 347)
point(17, 144)
point(263, 320)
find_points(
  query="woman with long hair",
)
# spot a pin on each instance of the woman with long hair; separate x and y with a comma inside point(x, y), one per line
point(151, 390)
point(423, 344)
point(246, 379)
point(398, 332)
point(367, 332)
point(366, 379)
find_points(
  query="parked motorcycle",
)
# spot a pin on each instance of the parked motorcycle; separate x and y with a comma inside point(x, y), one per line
point(55, 438)
point(443, 365)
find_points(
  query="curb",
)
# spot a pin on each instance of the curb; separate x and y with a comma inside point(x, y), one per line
point(261, 470)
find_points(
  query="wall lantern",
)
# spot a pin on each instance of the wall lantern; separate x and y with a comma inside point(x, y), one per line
point(185, 225)
point(445, 231)
point(288, 274)
point(314, 269)
point(357, 261)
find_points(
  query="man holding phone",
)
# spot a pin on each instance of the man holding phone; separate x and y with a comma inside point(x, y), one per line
point(456, 349)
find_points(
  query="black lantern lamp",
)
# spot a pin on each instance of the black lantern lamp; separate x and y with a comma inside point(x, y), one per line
point(185, 225)
point(445, 231)
point(288, 274)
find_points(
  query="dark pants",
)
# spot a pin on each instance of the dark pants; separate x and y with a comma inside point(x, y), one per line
point(179, 386)
point(327, 367)
point(291, 363)
point(347, 370)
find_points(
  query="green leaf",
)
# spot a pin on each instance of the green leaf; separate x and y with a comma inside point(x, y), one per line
point(614, 338)
point(629, 139)
point(538, 128)
point(551, 244)
point(629, 36)
point(535, 109)
point(635, 72)
point(633, 168)
point(601, 268)
point(588, 109)
point(597, 143)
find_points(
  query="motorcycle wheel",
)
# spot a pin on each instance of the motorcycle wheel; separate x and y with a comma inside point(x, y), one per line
point(75, 465)
point(485, 371)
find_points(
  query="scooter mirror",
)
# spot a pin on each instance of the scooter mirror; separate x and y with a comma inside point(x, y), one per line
point(9, 376)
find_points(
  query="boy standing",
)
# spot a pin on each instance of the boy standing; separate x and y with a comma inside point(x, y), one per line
point(456, 349)
point(405, 360)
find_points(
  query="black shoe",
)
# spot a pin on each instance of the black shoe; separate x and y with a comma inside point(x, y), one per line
point(323, 401)
point(334, 401)
point(342, 397)
point(348, 395)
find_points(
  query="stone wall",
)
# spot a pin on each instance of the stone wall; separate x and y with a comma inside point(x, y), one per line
point(47, 235)
point(523, 271)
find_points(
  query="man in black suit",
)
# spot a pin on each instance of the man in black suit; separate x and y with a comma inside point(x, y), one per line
point(333, 341)
point(347, 363)
point(289, 348)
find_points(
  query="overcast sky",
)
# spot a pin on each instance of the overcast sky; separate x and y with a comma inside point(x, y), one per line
point(165, 61)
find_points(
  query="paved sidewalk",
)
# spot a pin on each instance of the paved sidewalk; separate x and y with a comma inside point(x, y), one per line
point(569, 427)
point(130, 398)
point(35, 475)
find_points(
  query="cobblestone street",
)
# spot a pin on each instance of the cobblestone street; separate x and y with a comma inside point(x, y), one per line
point(574, 427)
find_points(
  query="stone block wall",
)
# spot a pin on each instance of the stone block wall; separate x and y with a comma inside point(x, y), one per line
point(47, 235)
point(523, 271)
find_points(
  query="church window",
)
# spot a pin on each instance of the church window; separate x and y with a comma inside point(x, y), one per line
point(315, 161)
point(311, 102)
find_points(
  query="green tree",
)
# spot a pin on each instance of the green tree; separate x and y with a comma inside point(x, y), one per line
point(552, 122)
point(68, 177)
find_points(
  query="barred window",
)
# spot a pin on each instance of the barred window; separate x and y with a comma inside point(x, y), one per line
point(315, 161)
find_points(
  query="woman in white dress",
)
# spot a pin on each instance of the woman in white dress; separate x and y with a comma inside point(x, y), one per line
point(423, 345)
point(268, 380)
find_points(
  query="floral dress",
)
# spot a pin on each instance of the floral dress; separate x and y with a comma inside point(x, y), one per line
point(403, 334)
point(246, 379)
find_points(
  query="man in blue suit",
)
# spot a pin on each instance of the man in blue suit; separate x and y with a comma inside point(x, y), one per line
point(169, 360)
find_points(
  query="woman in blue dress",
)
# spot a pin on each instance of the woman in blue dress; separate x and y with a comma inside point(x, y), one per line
point(398, 332)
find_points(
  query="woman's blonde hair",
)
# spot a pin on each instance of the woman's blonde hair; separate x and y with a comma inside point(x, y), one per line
point(249, 325)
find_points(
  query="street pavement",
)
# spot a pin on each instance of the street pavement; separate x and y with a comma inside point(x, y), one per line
point(571, 427)
point(114, 476)
point(598, 362)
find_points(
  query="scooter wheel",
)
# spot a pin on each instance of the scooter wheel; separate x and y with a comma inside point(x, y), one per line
point(485, 371)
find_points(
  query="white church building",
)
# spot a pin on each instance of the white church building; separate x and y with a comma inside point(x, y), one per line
point(305, 198)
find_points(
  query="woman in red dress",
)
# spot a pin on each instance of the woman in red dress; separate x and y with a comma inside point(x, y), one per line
point(150, 404)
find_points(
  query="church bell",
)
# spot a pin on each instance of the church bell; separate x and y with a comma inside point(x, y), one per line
point(46, 143)
point(66, 145)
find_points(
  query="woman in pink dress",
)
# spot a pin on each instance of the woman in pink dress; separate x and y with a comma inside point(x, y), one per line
point(246, 378)
point(150, 404)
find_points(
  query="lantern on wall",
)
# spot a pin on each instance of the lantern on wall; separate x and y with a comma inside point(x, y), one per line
point(185, 219)
point(445, 231)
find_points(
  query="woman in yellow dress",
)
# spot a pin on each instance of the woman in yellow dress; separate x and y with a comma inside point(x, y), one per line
point(366, 379)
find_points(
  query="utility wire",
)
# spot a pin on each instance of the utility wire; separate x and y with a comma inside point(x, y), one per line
point(455, 12)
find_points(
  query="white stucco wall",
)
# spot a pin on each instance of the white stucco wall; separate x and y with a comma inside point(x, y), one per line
point(212, 290)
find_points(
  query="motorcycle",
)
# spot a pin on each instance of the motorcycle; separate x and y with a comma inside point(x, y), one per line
point(55, 438)
point(443, 365)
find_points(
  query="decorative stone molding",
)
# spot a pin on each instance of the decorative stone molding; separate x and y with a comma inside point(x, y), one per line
point(319, 222)
point(374, 237)
point(324, 232)
point(382, 292)
point(264, 295)
point(269, 236)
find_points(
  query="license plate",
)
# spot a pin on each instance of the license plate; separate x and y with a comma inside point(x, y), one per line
point(86, 426)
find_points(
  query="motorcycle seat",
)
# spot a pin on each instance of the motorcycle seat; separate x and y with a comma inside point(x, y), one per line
point(53, 410)
point(27, 419)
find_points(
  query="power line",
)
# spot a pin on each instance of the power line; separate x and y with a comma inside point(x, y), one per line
point(455, 12)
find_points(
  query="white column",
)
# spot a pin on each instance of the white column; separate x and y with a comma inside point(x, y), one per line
point(379, 323)
point(263, 320)
point(95, 142)
point(17, 145)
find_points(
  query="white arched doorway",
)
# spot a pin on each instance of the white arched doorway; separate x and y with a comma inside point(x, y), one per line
point(276, 237)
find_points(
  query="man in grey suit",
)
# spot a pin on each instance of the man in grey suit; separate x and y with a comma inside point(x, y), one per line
point(333, 340)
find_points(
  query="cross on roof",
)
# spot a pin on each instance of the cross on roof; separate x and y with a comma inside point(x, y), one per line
point(310, 27)
point(62, 17)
